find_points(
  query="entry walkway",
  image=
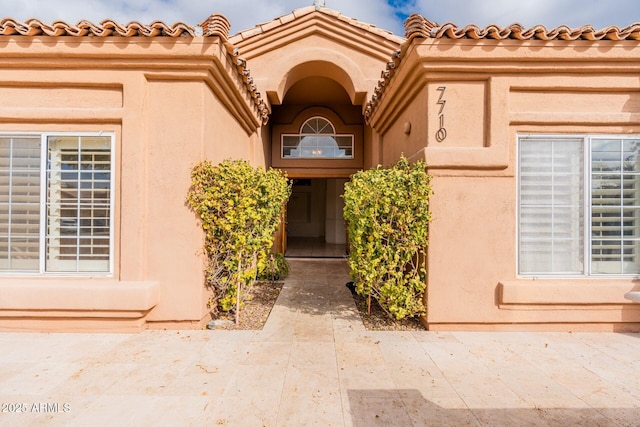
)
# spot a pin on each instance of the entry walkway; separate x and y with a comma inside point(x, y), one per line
point(311, 247)
point(314, 364)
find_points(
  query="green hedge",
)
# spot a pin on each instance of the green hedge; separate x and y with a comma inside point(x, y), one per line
point(239, 207)
point(387, 212)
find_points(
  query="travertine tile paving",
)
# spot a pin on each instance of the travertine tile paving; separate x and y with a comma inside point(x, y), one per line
point(314, 364)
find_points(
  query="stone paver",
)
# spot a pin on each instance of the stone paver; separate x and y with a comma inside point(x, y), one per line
point(315, 364)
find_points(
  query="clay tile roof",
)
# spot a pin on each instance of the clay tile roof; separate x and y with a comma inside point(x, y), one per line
point(214, 26)
point(35, 27)
point(245, 74)
point(284, 19)
point(218, 26)
point(418, 26)
point(385, 78)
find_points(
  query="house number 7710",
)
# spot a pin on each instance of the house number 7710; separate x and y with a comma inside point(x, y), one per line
point(441, 133)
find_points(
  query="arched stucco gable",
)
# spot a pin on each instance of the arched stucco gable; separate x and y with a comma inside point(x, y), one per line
point(316, 43)
point(318, 62)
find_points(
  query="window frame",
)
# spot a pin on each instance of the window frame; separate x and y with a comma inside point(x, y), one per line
point(302, 134)
point(587, 194)
point(44, 137)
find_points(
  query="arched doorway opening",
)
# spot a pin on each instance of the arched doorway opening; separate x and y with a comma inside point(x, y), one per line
point(318, 139)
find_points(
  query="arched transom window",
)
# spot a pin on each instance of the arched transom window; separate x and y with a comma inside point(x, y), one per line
point(317, 140)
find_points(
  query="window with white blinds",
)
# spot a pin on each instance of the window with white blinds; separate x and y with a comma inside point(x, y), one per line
point(578, 205)
point(20, 161)
point(615, 206)
point(551, 206)
point(56, 203)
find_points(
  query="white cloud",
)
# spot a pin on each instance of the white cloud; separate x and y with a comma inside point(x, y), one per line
point(550, 13)
point(245, 14)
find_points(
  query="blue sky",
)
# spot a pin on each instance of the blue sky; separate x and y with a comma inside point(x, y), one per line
point(388, 14)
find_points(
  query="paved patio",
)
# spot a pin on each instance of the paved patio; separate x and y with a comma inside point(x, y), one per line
point(314, 364)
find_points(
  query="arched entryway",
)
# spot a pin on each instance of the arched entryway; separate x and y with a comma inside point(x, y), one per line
point(317, 138)
point(317, 63)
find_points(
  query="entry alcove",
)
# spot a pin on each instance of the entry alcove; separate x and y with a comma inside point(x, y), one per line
point(312, 128)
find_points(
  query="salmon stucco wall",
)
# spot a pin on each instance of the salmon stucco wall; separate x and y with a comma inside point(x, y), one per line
point(460, 106)
point(170, 103)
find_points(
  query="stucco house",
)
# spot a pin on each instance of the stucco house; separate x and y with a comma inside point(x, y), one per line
point(532, 137)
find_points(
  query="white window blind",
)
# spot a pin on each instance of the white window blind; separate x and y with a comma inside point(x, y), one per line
point(567, 210)
point(78, 200)
point(19, 203)
point(615, 206)
point(551, 206)
point(56, 203)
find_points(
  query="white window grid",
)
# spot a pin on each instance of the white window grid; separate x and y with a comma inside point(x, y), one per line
point(319, 127)
point(44, 217)
point(587, 204)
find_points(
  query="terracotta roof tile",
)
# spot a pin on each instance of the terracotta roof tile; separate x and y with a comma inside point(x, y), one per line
point(214, 26)
point(251, 32)
point(418, 26)
point(298, 13)
point(270, 25)
point(286, 18)
point(303, 11)
point(218, 25)
point(245, 74)
point(107, 28)
point(385, 78)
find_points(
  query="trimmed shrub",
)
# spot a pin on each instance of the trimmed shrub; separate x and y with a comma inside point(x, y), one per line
point(272, 267)
point(387, 211)
point(239, 208)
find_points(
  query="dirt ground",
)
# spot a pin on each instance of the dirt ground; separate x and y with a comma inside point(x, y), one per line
point(255, 312)
point(380, 321)
point(263, 296)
